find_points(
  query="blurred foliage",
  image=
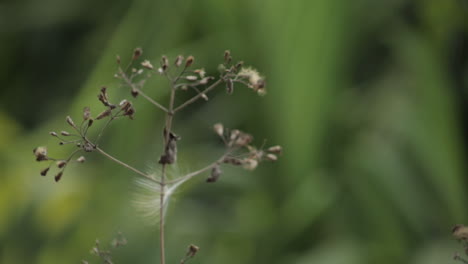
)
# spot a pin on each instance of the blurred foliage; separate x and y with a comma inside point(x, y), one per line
point(368, 98)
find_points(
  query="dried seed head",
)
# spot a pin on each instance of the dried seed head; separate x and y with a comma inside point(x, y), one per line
point(234, 134)
point(221, 68)
point(275, 149)
point(192, 250)
point(86, 113)
point(88, 147)
point(271, 157)
point(249, 164)
point(219, 129)
point(64, 133)
point(170, 152)
point(215, 173)
point(117, 59)
point(127, 107)
point(204, 96)
point(40, 153)
point(164, 62)
point(243, 139)
point(44, 171)
point(239, 65)
point(206, 80)
point(229, 86)
point(191, 78)
point(189, 61)
point(61, 163)
point(137, 53)
point(460, 232)
point(147, 64)
point(134, 92)
point(103, 114)
point(233, 161)
point(178, 61)
point(81, 159)
point(52, 133)
point(227, 56)
point(58, 176)
point(90, 122)
point(201, 72)
point(70, 122)
point(102, 96)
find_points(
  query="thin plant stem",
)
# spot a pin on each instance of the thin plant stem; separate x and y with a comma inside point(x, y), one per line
point(195, 173)
point(196, 97)
point(125, 164)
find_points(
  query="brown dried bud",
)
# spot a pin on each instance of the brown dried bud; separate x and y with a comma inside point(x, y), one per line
point(243, 139)
point(137, 53)
point(229, 86)
point(271, 157)
point(232, 161)
point(58, 176)
point(215, 173)
point(460, 232)
point(44, 171)
point(64, 133)
point(40, 153)
point(61, 163)
point(170, 152)
point(227, 56)
point(249, 164)
point(102, 96)
point(192, 250)
point(189, 61)
point(275, 149)
point(201, 72)
point(239, 65)
point(86, 113)
point(52, 133)
point(70, 122)
point(164, 63)
point(134, 92)
point(147, 64)
point(118, 59)
point(88, 147)
point(90, 122)
point(219, 129)
point(178, 61)
point(81, 159)
point(103, 114)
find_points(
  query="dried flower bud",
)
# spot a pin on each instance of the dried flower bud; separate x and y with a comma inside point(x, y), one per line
point(239, 65)
point(271, 157)
point(460, 232)
point(275, 149)
point(192, 250)
point(86, 113)
point(204, 96)
point(64, 133)
point(44, 171)
point(206, 80)
point(229, 86)
point(102, 96)
point(191, 78)
point(243, 139)
point(232, 161)
point(58, 176)
point(61, 163)
point(160, 71)
point(215, 173)
point(200, 72)
point(134, 92)
point(164, 63)
point(70, 122)
point(234, 134)
point(227, 56)
point(221, 68)
point(52, 133)
point(249, 164)
point(88, 147)
point(40, 153)
point(147, 64)
point(178, 61)
point(90, 122)
point(117, 59)
point(219, 129)
point(103, 114)
point(81, 159)
point(189, 61)
point(170, 152)
point(137, 53)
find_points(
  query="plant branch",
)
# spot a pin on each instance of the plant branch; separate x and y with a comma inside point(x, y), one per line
point(196, 97)
point(125, 164)
point(195, 173)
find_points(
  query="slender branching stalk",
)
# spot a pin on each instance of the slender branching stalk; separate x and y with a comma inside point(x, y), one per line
point(238, 148)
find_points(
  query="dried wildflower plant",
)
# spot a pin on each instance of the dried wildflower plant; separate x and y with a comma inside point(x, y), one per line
point(460, 233)
point(158, 188)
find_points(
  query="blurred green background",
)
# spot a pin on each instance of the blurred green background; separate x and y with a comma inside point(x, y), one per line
point(368, 98)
